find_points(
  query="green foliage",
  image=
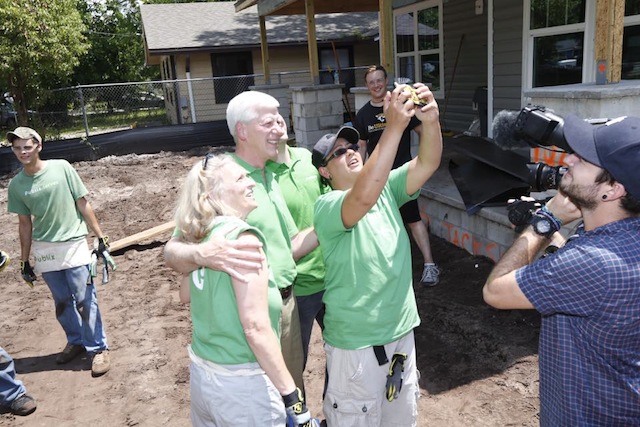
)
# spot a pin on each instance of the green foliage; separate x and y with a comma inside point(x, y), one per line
point(114, 30)
point(40, 42)
point(181, 1)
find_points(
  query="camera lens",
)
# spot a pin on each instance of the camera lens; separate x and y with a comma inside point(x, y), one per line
point(543, 177)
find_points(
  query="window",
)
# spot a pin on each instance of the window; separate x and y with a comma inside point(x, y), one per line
point(237, 68)
point(418, 44)
point(631, 41)
point(556, 36)
point(559, 38)
point(329, 66)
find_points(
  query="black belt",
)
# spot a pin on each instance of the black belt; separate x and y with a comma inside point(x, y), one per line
point(286, 292)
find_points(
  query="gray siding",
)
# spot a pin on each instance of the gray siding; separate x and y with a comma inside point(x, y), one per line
point(459, 19)
point(507, 55)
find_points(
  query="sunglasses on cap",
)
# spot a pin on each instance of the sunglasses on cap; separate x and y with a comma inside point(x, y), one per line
point(340, 151)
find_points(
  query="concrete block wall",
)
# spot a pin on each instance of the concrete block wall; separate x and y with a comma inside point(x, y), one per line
point(478, 234)
point(317, 110)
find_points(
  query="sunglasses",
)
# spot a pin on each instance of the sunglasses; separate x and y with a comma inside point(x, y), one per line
point(206, 160)
point(341, 151)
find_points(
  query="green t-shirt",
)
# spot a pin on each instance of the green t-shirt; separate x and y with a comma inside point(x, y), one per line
point(368, 286)
point(50, 198)
point(300, 184)
point(273, 219)
point(218, 335)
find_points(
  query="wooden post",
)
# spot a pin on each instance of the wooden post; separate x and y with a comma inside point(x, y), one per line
point(608, 42)
point(386, 37)
point(314, 64)
point(264, 50)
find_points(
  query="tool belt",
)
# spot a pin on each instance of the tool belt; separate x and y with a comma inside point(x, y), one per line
point(57, 256)
point(286, 292)
point(381, 355)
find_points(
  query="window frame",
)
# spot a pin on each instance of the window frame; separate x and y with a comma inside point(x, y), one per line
point(222, 86)
point(416, 54)
point(529, 36)
point(631, 21)
point(346, 74)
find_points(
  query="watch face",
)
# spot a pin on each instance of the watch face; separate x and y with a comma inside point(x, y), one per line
point(542, 226)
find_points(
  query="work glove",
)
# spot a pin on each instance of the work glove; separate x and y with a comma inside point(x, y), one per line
point(520, 211)
point(394, 378)
point(4, 260)
point(102, 251)
point(27, 273)
point(103, 244)
point(296, 409)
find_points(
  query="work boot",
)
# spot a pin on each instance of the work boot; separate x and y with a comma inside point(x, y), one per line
point(70, 352)
point(101, 363)
point(430, 274)
point(23, 406)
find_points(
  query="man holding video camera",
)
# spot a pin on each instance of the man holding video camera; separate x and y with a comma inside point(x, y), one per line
point(588, 291)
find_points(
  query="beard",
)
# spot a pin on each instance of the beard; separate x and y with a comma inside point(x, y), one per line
point(583, 196)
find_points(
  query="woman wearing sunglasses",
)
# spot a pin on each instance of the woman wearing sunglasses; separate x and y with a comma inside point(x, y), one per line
point(238, 375)
point(370, 306)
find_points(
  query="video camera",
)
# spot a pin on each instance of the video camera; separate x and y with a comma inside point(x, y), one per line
point(499, 168)
point(538, 127)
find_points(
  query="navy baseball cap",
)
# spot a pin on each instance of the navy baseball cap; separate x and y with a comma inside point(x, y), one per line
point(325, 144)
point(614, 146)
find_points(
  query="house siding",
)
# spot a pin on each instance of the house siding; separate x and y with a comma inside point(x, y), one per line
point(459, 19)
point(507, 80)
point(291, 60)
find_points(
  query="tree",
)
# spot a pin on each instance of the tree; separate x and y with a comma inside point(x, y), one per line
point(40, 43)
point(114, 30)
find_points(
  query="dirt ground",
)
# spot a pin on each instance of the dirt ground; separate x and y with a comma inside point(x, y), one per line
point(478, 365)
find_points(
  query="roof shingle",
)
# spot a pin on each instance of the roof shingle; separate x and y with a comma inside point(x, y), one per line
point(193, 26)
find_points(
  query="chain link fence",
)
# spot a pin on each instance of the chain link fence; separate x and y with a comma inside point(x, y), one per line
point(87, 110)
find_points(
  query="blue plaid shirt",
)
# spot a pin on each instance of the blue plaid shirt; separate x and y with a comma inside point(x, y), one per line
point(588, 293)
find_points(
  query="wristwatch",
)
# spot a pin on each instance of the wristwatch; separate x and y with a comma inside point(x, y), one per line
point(542, 226)
point(544, 223)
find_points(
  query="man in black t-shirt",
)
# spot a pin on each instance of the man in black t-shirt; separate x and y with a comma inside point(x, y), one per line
point(370, 122)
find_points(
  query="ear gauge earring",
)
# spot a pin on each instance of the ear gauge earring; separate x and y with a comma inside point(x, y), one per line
point(604, 197)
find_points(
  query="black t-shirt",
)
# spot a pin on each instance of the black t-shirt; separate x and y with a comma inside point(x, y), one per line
point(370, 122)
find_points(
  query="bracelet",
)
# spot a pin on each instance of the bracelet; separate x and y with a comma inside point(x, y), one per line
point(544, 212)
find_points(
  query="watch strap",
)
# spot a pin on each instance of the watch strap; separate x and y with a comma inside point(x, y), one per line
point(543, 214)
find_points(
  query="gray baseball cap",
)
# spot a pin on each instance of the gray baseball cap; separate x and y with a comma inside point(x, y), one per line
point(325, 144)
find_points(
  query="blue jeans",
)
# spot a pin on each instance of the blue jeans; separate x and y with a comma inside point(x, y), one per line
point(10, 387)
point(77, 309)
point(310, 307)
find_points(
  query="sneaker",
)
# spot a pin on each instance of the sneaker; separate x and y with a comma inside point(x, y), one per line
point(4, 260)
point(23, 406)
point(101, 363)
point(430, 274)
point(70, 352)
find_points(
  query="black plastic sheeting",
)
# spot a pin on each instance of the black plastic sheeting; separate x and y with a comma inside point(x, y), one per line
point(130, 141)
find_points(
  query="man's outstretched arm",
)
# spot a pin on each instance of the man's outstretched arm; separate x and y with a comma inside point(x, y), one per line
point(217, 253)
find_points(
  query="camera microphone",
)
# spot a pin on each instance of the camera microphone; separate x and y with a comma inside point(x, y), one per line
point(505, 132)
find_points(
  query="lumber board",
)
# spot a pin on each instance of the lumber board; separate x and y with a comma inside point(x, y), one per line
point(143, 235)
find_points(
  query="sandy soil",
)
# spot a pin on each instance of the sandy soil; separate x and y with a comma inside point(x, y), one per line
point(478, 365)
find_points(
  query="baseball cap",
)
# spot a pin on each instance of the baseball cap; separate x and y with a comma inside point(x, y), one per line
point(325, 144)
point(23, 132)
point(614, 146)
